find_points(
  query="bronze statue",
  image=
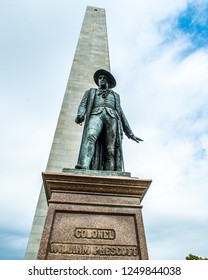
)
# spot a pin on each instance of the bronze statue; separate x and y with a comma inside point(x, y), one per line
point(101, 146)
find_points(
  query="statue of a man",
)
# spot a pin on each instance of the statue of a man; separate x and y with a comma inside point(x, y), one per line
point(101, 146)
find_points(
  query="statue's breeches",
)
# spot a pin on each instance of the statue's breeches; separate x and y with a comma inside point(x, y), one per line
point(99, 125)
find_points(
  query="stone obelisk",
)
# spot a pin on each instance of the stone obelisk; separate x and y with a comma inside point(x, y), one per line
point(91, 54)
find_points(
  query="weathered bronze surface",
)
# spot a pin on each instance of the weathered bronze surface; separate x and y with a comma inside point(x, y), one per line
point(105, 122)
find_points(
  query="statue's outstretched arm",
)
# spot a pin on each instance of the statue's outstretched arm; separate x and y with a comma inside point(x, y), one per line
point(127, 128)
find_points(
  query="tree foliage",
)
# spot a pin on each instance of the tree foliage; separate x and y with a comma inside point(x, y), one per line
point(193, 257)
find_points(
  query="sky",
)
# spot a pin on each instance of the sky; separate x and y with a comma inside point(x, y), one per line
point(159, 57)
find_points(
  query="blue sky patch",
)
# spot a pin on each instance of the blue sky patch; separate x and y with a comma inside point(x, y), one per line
point(194, 23)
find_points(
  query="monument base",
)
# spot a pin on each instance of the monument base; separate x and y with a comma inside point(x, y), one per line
point(93, 217)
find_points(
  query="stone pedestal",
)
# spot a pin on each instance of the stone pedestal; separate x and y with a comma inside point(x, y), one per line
point(92, 216)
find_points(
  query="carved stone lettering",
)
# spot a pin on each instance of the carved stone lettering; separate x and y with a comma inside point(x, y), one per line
point(115, 250)
point(66, 248)
point(94, 233)
point(99, 250)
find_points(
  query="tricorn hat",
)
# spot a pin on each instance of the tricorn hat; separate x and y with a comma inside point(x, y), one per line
point(111, 80)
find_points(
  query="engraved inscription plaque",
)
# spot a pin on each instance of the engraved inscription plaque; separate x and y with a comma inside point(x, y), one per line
point(86, 234)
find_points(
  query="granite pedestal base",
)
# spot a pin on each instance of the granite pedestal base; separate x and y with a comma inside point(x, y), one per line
point(93, 216)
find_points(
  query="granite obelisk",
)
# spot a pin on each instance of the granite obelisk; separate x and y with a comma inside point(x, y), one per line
point(91, 54)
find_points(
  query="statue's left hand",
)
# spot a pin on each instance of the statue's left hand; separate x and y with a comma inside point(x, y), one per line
point(137, 139)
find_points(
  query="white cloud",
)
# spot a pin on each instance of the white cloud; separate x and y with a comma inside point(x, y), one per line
point(169, 94)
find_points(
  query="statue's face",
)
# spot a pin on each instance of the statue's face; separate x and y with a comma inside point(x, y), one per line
point(102, 81)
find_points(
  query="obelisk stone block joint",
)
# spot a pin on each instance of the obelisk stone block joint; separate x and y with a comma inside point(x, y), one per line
point(91, 54)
